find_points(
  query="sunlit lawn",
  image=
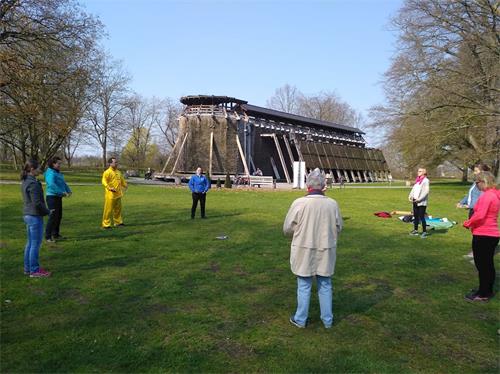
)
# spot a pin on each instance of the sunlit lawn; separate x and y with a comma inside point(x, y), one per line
point(162, 294)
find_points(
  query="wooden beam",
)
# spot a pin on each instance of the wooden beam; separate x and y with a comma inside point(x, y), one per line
point(289, 149)
point(297, 147)
point(319, 157)
point(219, 158)
point(179, 155)
point(170, 156)
point(242, 156)
point(251, 162)
point(326, 155)
point(275, 169)
point(210, 155)
point(282, 159)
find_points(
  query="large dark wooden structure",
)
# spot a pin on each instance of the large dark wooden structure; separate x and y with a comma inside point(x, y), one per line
point(227, 135)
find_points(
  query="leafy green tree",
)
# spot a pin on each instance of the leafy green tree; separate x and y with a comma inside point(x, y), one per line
point(47, 53)
point(227, 182)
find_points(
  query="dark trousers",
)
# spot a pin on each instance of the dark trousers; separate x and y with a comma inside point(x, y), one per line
point(419, 216)
point(201, 197)
point(483, 248)
point(52, 229)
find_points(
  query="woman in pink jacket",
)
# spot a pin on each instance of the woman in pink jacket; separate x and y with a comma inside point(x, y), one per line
point(485, 235)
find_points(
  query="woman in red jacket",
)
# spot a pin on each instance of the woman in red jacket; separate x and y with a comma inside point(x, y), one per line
point(485, 235)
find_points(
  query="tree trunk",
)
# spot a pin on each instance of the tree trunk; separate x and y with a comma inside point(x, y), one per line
point(495, 170)
point(104, 162)
point(465, 174)
point(14, 158)
point(104, 145)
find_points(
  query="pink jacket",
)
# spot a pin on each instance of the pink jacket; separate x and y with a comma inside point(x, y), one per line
point(484, 221)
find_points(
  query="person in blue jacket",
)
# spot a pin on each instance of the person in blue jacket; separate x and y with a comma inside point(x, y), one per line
point(473, 195)
point(56, 190)
point(199, 186)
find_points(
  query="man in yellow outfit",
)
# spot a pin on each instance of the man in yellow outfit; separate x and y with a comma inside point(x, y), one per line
point(114, 186)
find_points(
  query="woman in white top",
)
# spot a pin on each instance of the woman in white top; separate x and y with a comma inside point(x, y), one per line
point(419, 195)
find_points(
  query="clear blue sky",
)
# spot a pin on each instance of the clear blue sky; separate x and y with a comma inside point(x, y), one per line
point(247, 49)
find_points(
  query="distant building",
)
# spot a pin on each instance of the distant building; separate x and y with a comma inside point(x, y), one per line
point(227, 135)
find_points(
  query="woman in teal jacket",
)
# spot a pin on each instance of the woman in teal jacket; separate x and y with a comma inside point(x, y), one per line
point(56, 190)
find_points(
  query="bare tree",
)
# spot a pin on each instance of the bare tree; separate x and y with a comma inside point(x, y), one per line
point(73, 142)
point(444, 80)
point(167, 120)
point(139, 118)
point(285, 99)
point(109, 101)
point(327, 106)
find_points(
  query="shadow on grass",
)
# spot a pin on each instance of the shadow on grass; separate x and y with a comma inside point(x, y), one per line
point(184, 215)
point(358, 298)
point(117, 262)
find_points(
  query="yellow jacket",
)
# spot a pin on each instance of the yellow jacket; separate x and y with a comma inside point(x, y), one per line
point(113, 179)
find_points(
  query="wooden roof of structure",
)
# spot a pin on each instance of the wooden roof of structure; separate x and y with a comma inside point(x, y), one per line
point(266, 113)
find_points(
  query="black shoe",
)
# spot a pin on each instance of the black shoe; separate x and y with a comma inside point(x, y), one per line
point(106, 227)
point(59, 237)
point(121, 224)
point(474, 297)
point(293, 322)
point(192, 217)
point(50, 240)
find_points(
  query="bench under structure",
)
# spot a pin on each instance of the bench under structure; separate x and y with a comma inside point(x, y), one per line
point(261, 180)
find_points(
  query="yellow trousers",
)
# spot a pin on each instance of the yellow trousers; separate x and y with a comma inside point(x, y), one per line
point(112, 210)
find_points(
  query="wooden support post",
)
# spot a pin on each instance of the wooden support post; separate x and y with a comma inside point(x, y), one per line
point(179, 155)
point(359, 176)
point(297, 147)
point(251, 163)
point(346, 176)
point(282, 159)
point(170, 156)
point(326, 155)
point(289, 149)
point(242, 156)
point(275, 169)
point(353, 176)
point(210, 155)
point(280, 154)
point(319, 157)
point(339, 174)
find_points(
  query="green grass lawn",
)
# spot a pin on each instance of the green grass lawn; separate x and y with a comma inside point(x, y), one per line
point(70, 176)
point(162, 294)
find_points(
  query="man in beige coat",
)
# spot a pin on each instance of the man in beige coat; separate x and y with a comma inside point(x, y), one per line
point(315, 222)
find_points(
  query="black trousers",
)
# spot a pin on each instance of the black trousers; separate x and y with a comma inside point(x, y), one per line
point(483, 248)
point(201, 197)
point(53, 224)
point(419, 216)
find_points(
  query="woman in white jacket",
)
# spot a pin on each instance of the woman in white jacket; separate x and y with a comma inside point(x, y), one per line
point(419, 196)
